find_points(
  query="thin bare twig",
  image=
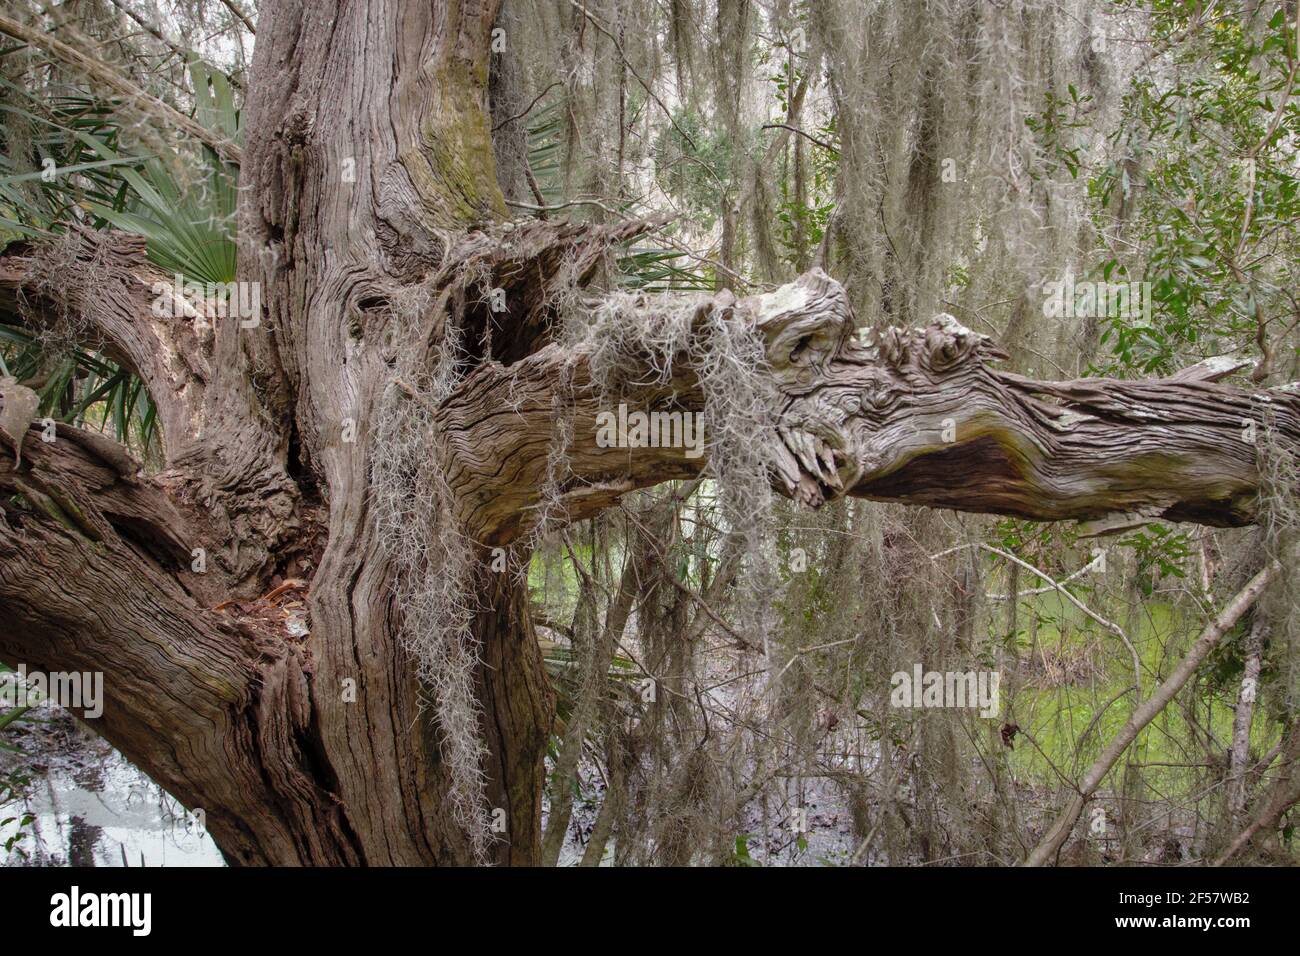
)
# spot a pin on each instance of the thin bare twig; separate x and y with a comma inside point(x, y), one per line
point(582, 8)
point(234, 8)
point(101, 72)
point(808, 136)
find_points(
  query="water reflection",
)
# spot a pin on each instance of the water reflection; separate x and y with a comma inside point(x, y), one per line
point(89, 806)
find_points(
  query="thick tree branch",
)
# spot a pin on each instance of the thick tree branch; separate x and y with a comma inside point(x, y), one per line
point(917, 416)
point(96, 576)
point(98, 289)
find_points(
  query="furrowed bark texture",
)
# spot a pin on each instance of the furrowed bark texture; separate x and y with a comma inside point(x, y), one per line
point(94, 576)
point(368, 157)
point(372, 219)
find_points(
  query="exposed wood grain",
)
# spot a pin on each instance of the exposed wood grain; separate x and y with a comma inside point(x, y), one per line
point(917, 416)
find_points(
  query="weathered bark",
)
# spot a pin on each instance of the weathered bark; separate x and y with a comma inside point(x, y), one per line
point(368, 154)
point(224, 432)
point(213, 705)
point(917, 416)
point(368, 198)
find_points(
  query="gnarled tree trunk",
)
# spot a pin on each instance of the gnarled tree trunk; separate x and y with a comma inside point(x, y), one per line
point(371, 217)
